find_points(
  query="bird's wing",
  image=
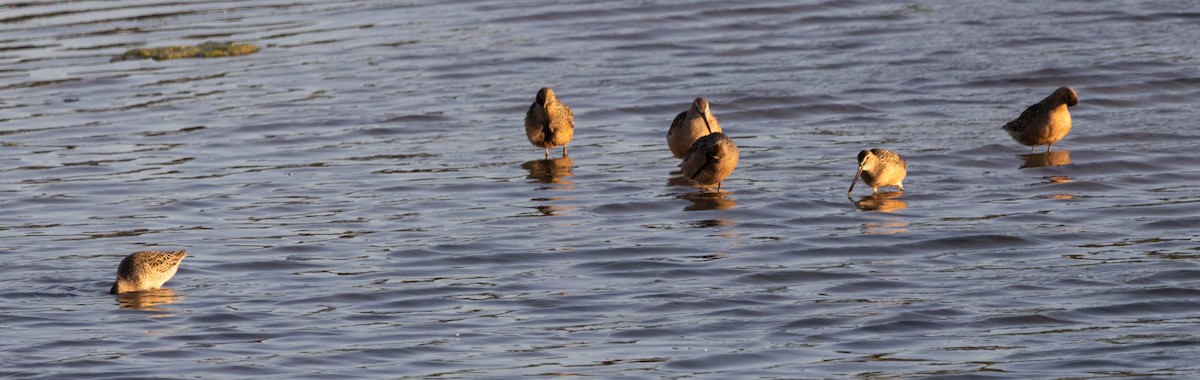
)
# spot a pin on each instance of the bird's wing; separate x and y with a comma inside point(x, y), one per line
point(536, 123)
point(701, 168)
point(677, 123)
point(560, 117)
point(695, 161)
point(1023, 121)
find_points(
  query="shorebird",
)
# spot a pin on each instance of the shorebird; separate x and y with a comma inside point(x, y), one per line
point(1046, 122)
point(549, 123)
point(879, 168)
point(690, 126)
point(146, 270)
point(710, 160)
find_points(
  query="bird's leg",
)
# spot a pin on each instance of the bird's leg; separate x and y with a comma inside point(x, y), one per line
point(1048, 147)
point(1032, 148)
point(718, 187)
point(564, 150)
point(547, 153)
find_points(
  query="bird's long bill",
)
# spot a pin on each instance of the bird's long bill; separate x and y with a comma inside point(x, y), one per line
point(706, 125)
point(854, 181)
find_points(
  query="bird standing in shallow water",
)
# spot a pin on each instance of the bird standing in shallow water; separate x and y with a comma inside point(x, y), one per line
point(710, 160)
point(1046, 122)
point(690, 126)
point(549, 123)
point(879, 168)
point(146, 270)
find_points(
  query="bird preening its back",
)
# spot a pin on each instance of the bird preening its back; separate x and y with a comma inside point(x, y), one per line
point(880, 168)
point(146, 270)
point(710, 160)
point(690, 126)
point(1046, 122)
point(549, 122)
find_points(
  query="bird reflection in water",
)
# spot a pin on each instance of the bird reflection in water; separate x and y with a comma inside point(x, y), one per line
point(709, 201)
point(147, 299)
point(711, 223)
point(676, 178)
point(884, 201)
point(1044, 159)
point(1056, 179)
point(550, 170)
point(553, 210)
point(884, 228)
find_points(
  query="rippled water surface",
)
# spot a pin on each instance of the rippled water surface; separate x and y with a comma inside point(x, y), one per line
point(358, 199)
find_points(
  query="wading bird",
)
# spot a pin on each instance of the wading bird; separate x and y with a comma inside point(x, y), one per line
point(146, 270)
point(549, 123)
point(710, 160)
point(1046, 122)
point(880, 168)
point(690, 126)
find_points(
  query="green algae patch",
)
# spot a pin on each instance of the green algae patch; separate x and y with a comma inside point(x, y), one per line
point(205, 50)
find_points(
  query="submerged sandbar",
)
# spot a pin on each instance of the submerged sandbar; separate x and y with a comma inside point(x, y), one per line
point(204, 50)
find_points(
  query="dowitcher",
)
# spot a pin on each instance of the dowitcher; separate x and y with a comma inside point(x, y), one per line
point(1046, 122)
point(146, 270)
point(690, 126)
point(880, 168)
point(710, 160)
point(549, 123)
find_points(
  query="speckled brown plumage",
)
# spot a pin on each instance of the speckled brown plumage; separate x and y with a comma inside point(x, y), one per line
point(146, 270)
point(689, 126)
point(710, 160)
point(880, 168)
point(549, 122)
point(1046, 122)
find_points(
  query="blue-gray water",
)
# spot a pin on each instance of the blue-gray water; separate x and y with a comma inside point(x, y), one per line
point(359, 200)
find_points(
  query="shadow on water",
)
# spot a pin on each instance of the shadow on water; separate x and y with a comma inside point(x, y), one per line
point(709, 201)
point(884, 201)
point(147, 299)
point(553, 170)
point(1044, 159)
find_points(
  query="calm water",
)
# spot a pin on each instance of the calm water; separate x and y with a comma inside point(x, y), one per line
point(359, 199)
